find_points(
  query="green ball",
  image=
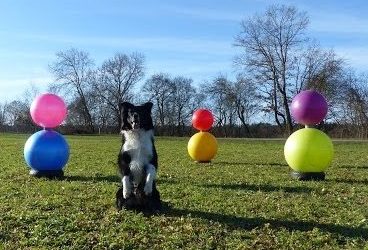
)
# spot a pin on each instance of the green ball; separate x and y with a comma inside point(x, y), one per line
point(308, 150)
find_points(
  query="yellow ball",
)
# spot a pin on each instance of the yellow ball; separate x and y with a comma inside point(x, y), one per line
point(202, 147)
point(308, 150)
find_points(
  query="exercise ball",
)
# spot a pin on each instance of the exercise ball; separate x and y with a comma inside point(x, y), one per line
point(202, 119)
point(202, 147)
point(46, 150)
point(309, 107)
point(308, 150)
point(48, 110)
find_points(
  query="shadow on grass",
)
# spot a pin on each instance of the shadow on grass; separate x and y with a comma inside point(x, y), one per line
point(236, 222)
point(250, 163)
point(261, 187)
point(349, 181)
point(107, 178)
point(353, 167)
point(166, 181)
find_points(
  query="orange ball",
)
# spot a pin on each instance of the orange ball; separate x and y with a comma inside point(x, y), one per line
point(202, 147)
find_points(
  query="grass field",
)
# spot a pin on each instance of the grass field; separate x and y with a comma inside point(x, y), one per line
point(245, 199)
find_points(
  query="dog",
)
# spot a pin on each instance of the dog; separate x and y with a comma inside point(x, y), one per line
point(137, 160)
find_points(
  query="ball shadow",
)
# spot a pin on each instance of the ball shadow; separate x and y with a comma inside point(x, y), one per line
point(349, 181)
point(353, 167)
point(236, 222)
point(256, 164)
point(260, 187)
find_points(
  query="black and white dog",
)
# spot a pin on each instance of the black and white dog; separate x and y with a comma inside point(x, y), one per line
point(137, 160)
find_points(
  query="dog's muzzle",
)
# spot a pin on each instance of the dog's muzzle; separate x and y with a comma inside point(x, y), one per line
point(135, 188)
point(135, 121)
point(135, 125)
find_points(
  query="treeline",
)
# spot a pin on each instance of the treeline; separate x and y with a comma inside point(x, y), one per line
point(276, 60)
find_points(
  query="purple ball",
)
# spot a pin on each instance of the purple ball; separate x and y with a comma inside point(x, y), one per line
point(309, 107)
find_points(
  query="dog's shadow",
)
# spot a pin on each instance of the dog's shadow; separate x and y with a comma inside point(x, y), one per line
point(235, 222)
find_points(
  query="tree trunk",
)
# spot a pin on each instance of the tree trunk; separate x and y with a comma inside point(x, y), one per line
point(289, 122)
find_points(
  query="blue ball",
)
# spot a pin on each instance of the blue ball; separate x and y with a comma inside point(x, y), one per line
point(46, 150)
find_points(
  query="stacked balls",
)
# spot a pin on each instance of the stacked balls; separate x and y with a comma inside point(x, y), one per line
point(202, 146)
point(46, 152)
point(308, 151)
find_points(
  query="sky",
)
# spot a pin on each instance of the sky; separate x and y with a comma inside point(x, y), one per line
point(190, 38)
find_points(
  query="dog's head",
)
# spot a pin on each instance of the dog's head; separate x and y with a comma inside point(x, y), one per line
point(136, 117)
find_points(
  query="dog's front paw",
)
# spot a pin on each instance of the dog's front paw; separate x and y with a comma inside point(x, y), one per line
point(122, 203)
point(127, 187)
point(147, 189)
point(126, 193)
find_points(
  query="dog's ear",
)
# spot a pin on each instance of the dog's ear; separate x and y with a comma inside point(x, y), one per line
point(124, 106)
point(148, 106)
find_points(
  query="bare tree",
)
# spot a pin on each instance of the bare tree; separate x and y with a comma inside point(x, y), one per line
point(103, 117)
point(319, 70)
point(182, 99)
point(18, 114)
point(75, 113)
point(72, 70)
point(3, 112)
point(245, 103)
point(222, 98)
point(271, 42)
point(158, 88)
point(354, 105)
point(116, 80)
point(29, 94)
point(233, 102)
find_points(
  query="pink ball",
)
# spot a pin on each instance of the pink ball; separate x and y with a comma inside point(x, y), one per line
point(309, 107)
point(48, 110)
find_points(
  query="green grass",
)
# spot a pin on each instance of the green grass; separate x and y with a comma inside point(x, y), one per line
point(245, 199)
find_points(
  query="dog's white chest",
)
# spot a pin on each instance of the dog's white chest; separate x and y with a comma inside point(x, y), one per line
point(139, 145)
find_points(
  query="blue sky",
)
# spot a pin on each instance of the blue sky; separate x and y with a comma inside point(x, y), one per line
point(190, 38)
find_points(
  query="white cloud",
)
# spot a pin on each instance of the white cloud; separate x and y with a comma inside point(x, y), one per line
point(167, 44)
point(19, 55)
point(355, 56)
point(198, 71)
point(338, 23)
point(207, 13)
point(12, 88)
